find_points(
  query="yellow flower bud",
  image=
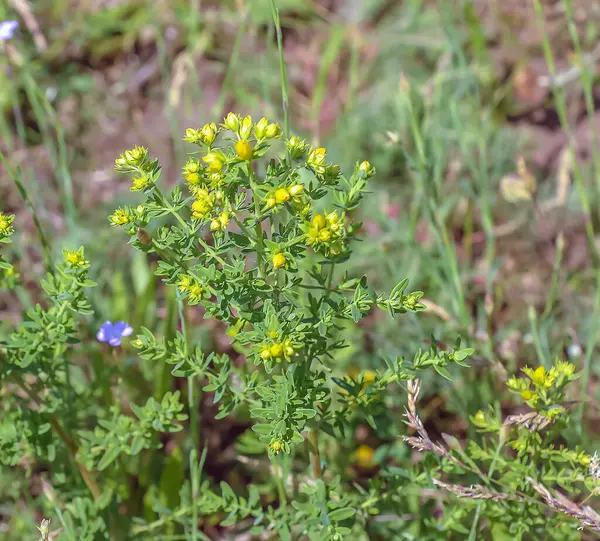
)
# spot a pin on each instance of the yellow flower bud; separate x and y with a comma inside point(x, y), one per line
point(366, 169)
point(192, 135)
point(272, 334)
point(270, 202)
point(6, 227)
point(324, 235)
point(282, 195)
point(232, 122)
point(260, 128)
point(272, 131)
point(265, 354)
point(215, 225)
point(364, 457)
point(276, 446)
point(140, 183)
point(539, 376)
point(215, 161)
point(319, 221)
point(278, 260)
point(245, 128)
point(276, 350)
point(74, 259)
point(296, 190)
point(527, 395)
point(208, 133)
point(244, 150)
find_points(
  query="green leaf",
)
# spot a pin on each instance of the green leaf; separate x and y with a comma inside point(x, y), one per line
point(109, 457)
point(341, 514)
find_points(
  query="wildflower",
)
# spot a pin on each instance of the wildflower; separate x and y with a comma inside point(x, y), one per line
point(244, 150)
point(364, 457)
point(203, 205)
point(565, 368)
point(131, 158)
point(260, 128)
point(140, 183)
point(216, 180)
point(191, 287)
point(245, 129)
point(316, 160)
point(296, 147)
point(6, 227)
point(215, 161)
point(192, 171)
point(7, 29)
point(232, 122)
point(270, 202)
point(331, 173)
point(539, 376)
point(276, 446)
point(282, 195)
point(527, 395)
point(192, 135)
point(272, 131)
point(112, 333)
point(121, 216)
point(278, 260)
point(366, 169)
point(296, 190)
point(288, 348)
point(220, 223)
point(276, 351)
point(75, 259)
point(479, 419)
point(208, 133)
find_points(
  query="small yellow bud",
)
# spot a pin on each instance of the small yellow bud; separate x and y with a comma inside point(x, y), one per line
point(6, 227)
point(208, 133)
point(270, 202)
point(245, 128)
point(276, 446)
point(74, 259)
point(215, 161)
point(296, 190)
point(272, 131)
point(479, 418)
point(278, 260)
point(260, 128)
point(232, 122)
point(282, 195)
point(272, 334)
point(195, 292)
point(527, 395)
point(319, 221)
point(366, 169)
point(539, 376)
point(244, 150)
point(324, 235)
point(215, 225)
point(276, 350)
point(192, 135)
point(140, 183)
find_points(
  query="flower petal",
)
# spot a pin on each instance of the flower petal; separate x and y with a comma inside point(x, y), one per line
point(7, 29)
point(105, 332)
point(115, 341)
point(122, 329)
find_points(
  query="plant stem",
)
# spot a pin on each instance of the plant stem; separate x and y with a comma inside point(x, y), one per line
point(315, 458)
point(260, 249)
point(284, 83)
point(87, 476)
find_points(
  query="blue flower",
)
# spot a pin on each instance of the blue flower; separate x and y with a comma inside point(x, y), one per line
point(112, 333)
point(7, 29)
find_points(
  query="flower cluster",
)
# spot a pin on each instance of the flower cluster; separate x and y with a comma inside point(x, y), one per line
point(326, 233)
point(543, 387)
point(137, 162)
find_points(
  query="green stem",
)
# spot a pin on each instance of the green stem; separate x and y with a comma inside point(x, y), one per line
point(315, 458)
point(283, 73)
point(260, 249)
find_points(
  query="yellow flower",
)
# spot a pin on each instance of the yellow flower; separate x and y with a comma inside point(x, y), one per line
point(316, 160)
point(276, 446)
point(278, 260)
point(276, 350)
point(6, 227)
point(260, 128)
point(184, 283)
point(131, 158)
point(140, 183)
point(232, 122)
point(220, 223)
point(265, 354)
point(366, 169)
point(281, 195)
point(288, 348)
point(208, 133)
point(296, 147)
point(75, 259)
point(364, 457)
point(296, 190)
point(244, 150)
point(192, 171)
point(196, 292)
point(270, 202)
point(565, 368)
point(319, 221)
point(539, 376)
point(120, 217)
point(527, 395)
point(215, 161)
point(272, 131)
point(192, 135)
point(245, 128)
point(479, 418)
point(203, 204)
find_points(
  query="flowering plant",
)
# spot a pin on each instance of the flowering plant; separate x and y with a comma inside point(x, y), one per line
point(258, 240)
